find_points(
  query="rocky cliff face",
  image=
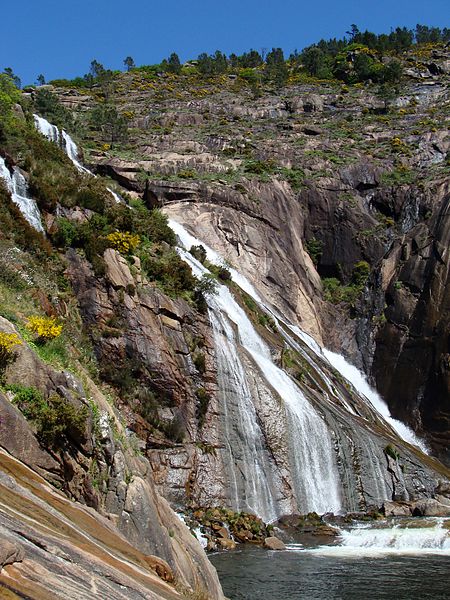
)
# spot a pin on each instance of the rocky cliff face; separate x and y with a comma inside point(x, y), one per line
point(411, 357)
point(52, 539)
point(193, 451)
point(298, 187)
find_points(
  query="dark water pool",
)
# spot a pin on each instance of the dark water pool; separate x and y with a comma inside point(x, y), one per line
point(256, 574)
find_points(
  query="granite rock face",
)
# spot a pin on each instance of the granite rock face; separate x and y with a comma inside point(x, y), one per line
point(411, 363)
point(110, 514)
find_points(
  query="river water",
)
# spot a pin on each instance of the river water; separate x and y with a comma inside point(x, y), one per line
point(256, 574)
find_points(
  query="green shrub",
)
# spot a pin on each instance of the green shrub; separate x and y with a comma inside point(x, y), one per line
point(92, 194)
point(398, 176)
point(172, 273)
point(11, 278)
point(360, 273)
point(200, 362)
point(203, 402)
point(314, 249)
point(9, 94)
point(48, 105)
point(335, 292)
point(207, 285)
point(54, 179)
point(148, 224)
point(258, 167)
point(294, 177)
point(66, 234)
point(220, 271)
point(187, 174)
point(331, 289)
point(250, 303)
point(391, 451)
point(267, 321)
point(54, 418)
point(199, 253)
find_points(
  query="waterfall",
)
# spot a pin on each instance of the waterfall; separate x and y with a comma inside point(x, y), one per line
point(252, 477)
point(116, 196)
point(17, 185)
point(187, 240)
point(359, 382)
point(337, 450)
point(71, 150)
point(404, 537)
point(253, 481)
point(51, 132)
point(350, 372)
point(312, 457)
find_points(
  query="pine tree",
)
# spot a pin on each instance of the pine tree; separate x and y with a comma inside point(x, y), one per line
point(276, 68)
point(14, 78)
point(129, 63)
point(173, 63)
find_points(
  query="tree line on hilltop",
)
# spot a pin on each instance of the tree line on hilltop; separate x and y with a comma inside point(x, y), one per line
point(354, 58)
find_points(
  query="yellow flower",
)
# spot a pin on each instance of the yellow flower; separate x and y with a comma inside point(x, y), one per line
point(123, 241)
point(7, 343)
point(46, 328)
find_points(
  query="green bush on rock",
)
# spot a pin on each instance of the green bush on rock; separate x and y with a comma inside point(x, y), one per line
point(54, 418)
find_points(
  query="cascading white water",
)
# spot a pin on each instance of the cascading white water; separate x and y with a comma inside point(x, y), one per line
point(359, 382)
point(362, 386)
point(116, 196)
point(383, 539)
point(17, 185)
point(201, 538)
point(314, 469)
point(188, 240)
point(350, 372)
point(253, 480)
point(52, 133)
point(244, 448)
point(71, 150)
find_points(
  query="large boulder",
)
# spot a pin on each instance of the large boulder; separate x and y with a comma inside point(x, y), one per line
point(397, 509)
point(429, 507)
point(117, 269)
point(273, 543)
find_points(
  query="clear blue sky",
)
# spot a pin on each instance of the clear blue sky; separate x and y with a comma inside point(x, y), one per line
point(60, 38)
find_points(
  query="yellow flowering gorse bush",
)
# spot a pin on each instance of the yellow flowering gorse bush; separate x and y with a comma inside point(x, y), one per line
point(123, 241)
point(46, 328)
point(7, 343)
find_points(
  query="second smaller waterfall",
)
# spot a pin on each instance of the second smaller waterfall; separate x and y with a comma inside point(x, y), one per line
point(52, 133)
point(17, 185)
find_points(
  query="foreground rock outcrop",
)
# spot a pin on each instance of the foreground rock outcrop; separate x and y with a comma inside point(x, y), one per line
point(109, 533)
